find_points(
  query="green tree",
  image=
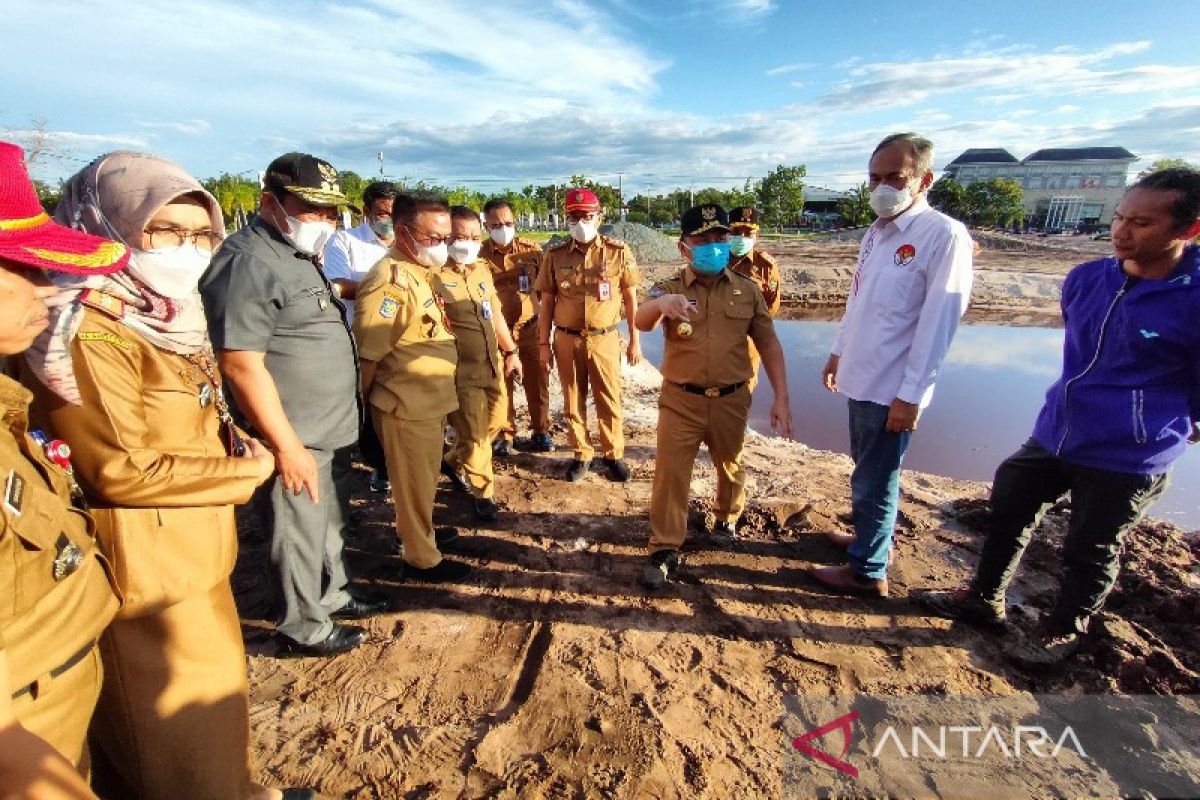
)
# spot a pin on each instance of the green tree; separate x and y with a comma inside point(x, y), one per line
point(949, 196)
point(47, 195)
point(353, 185)
point(610, 200)
point(780, 195)
point(235, 193)
point(994, 202)
point(856, 208)
point(1165, 163)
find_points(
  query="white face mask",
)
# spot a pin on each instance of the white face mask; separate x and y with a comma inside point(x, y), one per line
point(582, 232)
point(171, 271)
point(503, 235)
point(741, 245)
point(308, 238)
point(888, 201)
point(464, 251)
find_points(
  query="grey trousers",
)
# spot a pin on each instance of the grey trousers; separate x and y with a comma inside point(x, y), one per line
point(309, 571)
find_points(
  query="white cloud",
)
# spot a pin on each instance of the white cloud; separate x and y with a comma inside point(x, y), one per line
point(188, 127)
point(751, 8)
point(783, 69)
point(1067, 109)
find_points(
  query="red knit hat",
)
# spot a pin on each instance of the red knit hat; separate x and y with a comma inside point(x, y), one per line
point(28, 238)
point(582, 200)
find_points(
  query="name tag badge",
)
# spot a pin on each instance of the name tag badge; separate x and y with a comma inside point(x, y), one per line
point(604, 291)
point(485, 309)
point(14, 493)
point(523, 283)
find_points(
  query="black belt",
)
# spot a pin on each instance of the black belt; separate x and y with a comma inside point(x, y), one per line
point(711, 391)
point(60, 669)
point(586, 332)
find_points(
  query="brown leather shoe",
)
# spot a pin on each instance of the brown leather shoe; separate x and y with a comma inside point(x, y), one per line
point(839, 539)
point(843, 581)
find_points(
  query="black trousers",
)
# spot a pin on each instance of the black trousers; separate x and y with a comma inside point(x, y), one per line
point(1104, 506)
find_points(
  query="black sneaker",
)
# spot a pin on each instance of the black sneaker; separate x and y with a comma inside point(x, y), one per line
point(662, 566)
point(501, 448)
point(963, 605)
point(541, 443)
point(447, 570)
point(379, 483)
point(486, 508)
point(342, 639)
point(618, 470)
point(723, 534)
point(576, 470)
point(456, 479)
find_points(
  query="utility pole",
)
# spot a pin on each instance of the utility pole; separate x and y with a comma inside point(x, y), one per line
point(380, 157)
point(621, 194)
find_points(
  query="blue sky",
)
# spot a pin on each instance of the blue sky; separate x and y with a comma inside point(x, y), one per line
point(668, 93)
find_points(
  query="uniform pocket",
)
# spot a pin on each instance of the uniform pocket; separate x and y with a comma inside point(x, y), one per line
point(739, 310)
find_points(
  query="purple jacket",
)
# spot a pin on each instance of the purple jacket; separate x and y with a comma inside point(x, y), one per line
point(1130, 385)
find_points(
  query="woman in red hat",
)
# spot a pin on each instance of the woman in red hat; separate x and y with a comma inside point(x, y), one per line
point(57, 595)
point(126, 373)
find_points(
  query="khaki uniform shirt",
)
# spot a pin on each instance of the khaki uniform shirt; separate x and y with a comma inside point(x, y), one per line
point(765, 271)
point(400, 325)
point(716, 353)
point(469, 298)
point(148, 451)
point(57, 597)
point(511, 271)
point(587, 281)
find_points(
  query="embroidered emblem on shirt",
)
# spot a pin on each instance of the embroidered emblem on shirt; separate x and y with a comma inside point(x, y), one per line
point(904, 254)
point(1148, 334)
point(389, 307)
point(102, 336)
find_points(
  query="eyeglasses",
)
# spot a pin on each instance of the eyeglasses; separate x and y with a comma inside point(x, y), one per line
point(452, 239)
point(429, 240)
point(177, 237)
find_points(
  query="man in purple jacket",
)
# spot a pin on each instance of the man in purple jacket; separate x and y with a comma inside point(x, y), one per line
point(1125, 407)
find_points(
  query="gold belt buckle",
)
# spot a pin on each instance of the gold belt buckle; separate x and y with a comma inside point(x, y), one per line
point(583, 333)
point(712, 391)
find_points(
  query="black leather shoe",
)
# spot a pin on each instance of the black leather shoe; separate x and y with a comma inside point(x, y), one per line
point(501, 448)
point(723, 534)
point(447, 570)
point(663, 564)
point(486, 508)
point(618, 470)
point(342, 639)
point(456, 480)
point(541, 443)
point(363, 605)
point(442, 535)
point(299, 794)
point(576, 470)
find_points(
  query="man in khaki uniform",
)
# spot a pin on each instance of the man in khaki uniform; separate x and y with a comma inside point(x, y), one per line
point(583, 283)
point(747, 258)
point(407, 359)
point(514, 263)
point(57, 596)
point(468, 295)
point(711, 314)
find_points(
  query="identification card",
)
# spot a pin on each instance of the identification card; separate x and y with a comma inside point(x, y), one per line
point(523, 283)
point(14, 493)
point(604, 291)
point(485, 309)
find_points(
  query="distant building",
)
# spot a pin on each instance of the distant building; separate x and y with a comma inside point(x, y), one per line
point(1063, 186)
point(820, 206)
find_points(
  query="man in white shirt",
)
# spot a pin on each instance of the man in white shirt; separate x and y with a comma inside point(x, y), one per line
point(910, 288)
point(351, 253)
point(348, 257)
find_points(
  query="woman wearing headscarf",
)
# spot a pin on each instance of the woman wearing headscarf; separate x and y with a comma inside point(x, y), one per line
point(126, 373)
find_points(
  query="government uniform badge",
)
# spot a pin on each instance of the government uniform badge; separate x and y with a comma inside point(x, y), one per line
point(389, 307)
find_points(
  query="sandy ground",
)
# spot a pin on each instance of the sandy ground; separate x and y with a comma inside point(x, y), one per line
point(551, 674)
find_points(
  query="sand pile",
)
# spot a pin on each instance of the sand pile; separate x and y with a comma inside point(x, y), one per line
point(648, 245)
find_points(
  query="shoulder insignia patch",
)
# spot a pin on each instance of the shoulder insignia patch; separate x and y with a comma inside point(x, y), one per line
point(104, 303)
point(104, 336)
point(389, 307)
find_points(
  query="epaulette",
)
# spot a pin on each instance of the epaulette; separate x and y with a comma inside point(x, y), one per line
point(609, 241)
point(106, 304)
point(739, 276)
point(399, 276)
point(767, 257)
point(559, 245)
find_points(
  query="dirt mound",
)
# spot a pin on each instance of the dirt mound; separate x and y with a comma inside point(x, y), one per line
point(648, 245)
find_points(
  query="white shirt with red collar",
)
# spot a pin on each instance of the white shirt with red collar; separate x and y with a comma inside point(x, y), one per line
point(910, 289)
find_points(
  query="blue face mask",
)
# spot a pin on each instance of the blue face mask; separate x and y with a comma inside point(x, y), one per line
point(711, 258)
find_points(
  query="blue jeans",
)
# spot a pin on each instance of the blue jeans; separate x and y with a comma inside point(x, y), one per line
point(874, 486)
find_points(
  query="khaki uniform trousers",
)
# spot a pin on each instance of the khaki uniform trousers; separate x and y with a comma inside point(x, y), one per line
point(414, 460)
point(685, 421)
point(473, 423)
point(62, 708)
point(173, 719)
point(536, 382)
point(594, 360)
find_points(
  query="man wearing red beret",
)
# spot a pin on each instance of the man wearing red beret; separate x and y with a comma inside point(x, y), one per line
point(583, 283)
